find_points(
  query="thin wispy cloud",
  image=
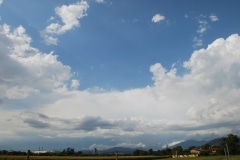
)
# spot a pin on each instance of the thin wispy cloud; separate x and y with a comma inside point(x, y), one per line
point(213, 17)
point(203, 27)
point(100, 1)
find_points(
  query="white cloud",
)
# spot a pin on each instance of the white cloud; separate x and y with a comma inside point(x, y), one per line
point(157, 18)
point(49, 40)
point(1, 2)
point(26, 71)
point(216, 70)
point(172, 143)
point(212, 73)
point(198, 41)
point(213, 17)
point(99, 1)
point(205, 100)
point(203, 26)
point(202, 29)
point(70, 16)
point(75, 84)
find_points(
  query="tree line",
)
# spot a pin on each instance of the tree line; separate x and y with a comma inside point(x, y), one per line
point(226, 145)
point(65, 152)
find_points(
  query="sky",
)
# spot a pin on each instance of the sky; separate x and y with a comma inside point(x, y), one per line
point(117, 73)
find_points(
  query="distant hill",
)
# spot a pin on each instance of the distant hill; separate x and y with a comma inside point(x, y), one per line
point(120, 150)
point(215, 142)
point(185, 145)
point(189, 143)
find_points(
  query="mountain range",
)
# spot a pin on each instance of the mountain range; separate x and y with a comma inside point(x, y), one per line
point(185, 145)
point(189, 143)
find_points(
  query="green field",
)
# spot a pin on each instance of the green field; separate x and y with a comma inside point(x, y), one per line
point(113, 158)
point(207, 158)
point(81, 157)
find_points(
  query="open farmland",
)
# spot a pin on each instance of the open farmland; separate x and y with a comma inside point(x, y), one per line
point(113, 158)
point(236, 157)
point(82, 157)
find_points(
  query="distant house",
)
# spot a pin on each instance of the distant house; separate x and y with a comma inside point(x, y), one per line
point(198, 151)
point(213, 150)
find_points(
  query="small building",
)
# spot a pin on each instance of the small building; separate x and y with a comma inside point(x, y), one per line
point(213, 150)
point(197, 151)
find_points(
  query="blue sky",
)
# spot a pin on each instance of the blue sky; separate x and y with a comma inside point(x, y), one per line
point(102, 73)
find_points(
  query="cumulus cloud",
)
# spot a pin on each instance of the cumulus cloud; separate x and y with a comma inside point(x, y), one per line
point(27, 72)
point(216, 70)
point(70, 16)
point(213, 72)
point(157, 18)
point(1, 2)
point(205, 100)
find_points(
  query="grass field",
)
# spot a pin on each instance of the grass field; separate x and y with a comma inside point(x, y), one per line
point(81, 157)
point(113, 158)
point(207, 158)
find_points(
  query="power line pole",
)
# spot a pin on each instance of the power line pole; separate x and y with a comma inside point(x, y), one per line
point(228, 158)
point(28, 152)
point(225, 153)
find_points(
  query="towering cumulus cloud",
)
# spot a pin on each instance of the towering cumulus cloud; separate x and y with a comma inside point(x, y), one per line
point(208, 93)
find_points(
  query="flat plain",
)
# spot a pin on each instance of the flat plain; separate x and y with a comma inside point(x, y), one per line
point(6, 157)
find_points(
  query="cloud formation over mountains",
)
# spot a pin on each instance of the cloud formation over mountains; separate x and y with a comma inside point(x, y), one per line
point(39, 93)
